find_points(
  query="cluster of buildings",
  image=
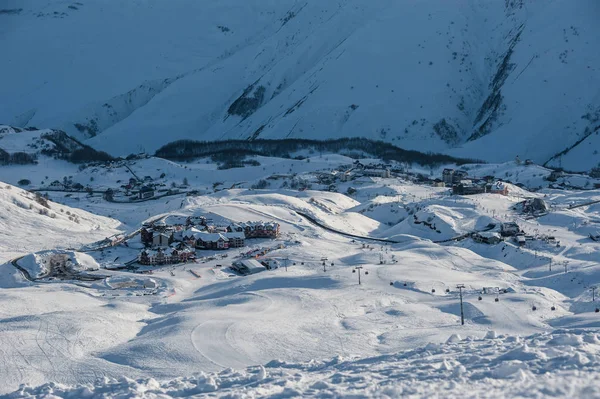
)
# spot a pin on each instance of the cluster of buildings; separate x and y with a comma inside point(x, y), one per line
point(463, 185)
point(500, 233)
point(175, 244)
point(166, 256)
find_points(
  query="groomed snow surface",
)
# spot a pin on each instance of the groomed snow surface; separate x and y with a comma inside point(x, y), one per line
point(269, 334)
point(561, 364)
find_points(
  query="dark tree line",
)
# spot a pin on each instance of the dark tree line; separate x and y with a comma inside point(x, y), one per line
point(72, 150)
point(16, 158)
point(229, 149)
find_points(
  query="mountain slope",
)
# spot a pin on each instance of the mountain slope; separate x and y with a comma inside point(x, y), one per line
point(478, 79)
point(28, 223)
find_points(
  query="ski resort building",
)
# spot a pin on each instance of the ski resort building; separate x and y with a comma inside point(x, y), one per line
point(467, 189)
point(207, 240)
point(248, 266)
point(447, 177)
point(162, 239)
point(383, 173)
point(488, 237)
point(256, 229)
point(498, 188)
point(206, 236)
point(509, 229)
point(146, 192)
point(167, 256)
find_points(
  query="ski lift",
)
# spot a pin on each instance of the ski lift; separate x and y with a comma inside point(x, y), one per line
point(353, 270)
point(553, 308)
point(405, 284)
point(479, 298)
point(366, 272)
point(294, 263)
point(597, 310)
point(447, 290)
point(533, 308)
point(331, 263)
point(496, 299)
point(433, 290)
point(391, 283)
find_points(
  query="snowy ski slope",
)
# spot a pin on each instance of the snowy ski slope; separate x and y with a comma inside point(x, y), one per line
point(172, 325)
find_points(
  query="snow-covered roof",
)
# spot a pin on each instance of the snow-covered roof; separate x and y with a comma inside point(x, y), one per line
point(253, 265)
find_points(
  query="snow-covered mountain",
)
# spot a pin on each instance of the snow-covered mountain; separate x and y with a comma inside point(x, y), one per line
point(487, 80)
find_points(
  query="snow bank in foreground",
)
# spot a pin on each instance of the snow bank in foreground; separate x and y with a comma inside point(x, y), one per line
point(561, 364)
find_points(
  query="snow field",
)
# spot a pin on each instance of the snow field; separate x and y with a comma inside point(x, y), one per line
point(488, 366)
point(173, 324)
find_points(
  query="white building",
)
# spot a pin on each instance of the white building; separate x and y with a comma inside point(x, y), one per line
point(161, 239)
point(249, 266)
point(383, 173)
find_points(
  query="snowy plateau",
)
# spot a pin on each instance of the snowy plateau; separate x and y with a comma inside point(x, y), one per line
point(383, 199)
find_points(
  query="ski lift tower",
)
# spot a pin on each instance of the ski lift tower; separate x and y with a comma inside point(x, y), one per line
point(462, 313)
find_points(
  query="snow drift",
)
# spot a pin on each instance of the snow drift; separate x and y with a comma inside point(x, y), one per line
point(494, 366)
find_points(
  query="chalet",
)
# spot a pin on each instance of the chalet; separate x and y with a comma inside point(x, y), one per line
point(438, 183)
point(146, 192)
point(212, 241)
point(166, 256)
point(205, 240)
point(196, 221)
point(509, 229)
point(235, 228)
point(487, 237)
point(261, 230)
point(498, 188)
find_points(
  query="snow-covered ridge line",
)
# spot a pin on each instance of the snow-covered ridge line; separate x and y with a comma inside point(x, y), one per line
point(494, 366)
point(486, 80)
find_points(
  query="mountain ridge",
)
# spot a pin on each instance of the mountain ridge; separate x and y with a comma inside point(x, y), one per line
point(485, 80)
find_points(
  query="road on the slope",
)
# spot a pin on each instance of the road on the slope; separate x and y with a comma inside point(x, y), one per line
point(323, 226)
